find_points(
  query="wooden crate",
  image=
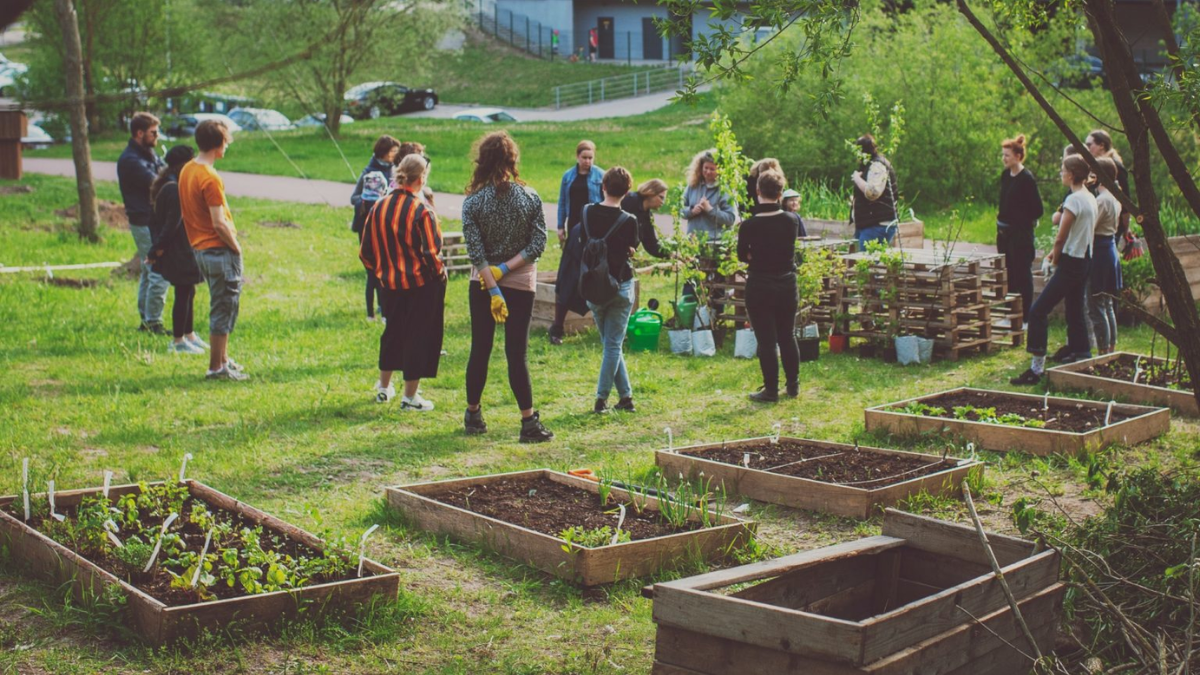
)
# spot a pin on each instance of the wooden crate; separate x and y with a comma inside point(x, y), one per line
point(804, 493)
point(545, 299)
point(1071, 376)
point(1146, 423)
point(893, 604)
point(587, 566)
point(454, 253)
point(160, 624)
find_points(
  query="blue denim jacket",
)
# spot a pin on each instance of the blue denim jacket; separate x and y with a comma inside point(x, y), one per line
point(595, 191)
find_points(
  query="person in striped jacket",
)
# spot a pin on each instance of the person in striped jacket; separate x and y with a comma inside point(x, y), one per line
point(402, 246)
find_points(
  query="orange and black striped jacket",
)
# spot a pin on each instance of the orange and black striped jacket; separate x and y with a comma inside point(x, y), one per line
point(402, 242)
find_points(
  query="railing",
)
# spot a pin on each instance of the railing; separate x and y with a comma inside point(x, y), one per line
point(518, 30)
point(618, 86)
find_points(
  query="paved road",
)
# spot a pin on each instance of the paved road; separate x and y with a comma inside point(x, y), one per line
point(625, 107)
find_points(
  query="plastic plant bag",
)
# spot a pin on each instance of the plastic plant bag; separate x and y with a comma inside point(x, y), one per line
point(681, 341)
point(745, 345)
point(703, 343)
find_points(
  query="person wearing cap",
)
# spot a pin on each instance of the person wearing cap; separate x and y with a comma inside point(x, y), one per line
point(170, 254)
point(791, 204)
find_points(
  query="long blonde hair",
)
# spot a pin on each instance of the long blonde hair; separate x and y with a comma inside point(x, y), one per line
point(695, 172)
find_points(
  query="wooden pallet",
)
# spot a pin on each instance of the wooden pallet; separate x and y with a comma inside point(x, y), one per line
point(454, 253)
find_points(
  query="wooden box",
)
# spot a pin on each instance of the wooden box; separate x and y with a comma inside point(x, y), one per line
point(544, 301)
point(900, 603)
point(804, 493)
point(1071, 376)
point(587, 566)
point(158, 623)
point(1145, 424)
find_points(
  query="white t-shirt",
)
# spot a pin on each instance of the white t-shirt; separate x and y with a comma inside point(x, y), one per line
point(1079, 238)
point(1107, 211)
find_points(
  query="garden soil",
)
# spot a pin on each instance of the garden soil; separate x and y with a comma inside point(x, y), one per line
point(826, 464)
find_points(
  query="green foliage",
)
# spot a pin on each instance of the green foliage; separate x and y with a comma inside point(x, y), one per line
point(134, 555)
point(593, 538)
point(816, 266)
point(923, 409)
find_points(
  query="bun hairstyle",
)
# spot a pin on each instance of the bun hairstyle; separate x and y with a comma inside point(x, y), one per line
point(617, 182)
point(1016, 145)
point(1078, 167)
point(771, 184)
point(764, 164)
point(1107, 167)
point(410, 169)
point(1100, 137)
point(866, 143)
point(584, 145)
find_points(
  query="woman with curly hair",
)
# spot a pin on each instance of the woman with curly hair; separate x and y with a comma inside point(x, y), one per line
point(505, 230)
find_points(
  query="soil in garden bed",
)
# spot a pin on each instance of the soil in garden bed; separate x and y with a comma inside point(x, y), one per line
point(543, 505)
point(1071, 417)
point(1157, 373)
point(828, 465)
point(157, 583)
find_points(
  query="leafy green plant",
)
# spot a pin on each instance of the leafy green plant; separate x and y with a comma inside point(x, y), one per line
point(818, 267)
point(593, 538)
point(924, 409)
point(134, 555)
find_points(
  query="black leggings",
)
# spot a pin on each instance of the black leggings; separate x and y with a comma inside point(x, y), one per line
point(771, 305)
point(373, 289)
point(516, 343)
point(181, 311)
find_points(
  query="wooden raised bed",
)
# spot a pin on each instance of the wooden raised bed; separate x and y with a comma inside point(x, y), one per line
point(587, 566)
point(1132, 424)
point(855, 501)
point(158, 623)
point(544, 300)
point(1080, 376)
point(895, 604)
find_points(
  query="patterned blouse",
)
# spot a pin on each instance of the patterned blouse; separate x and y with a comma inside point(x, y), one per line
point(498, 225)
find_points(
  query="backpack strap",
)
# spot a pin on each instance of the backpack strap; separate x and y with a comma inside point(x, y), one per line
point(621, 220)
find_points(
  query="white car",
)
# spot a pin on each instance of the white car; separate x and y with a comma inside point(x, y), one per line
point(318, 119)
point(9, 72)
point(256, 119)
point(36, 137)
point(485, 115)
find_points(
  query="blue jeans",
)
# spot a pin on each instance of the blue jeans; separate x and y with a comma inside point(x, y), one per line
point(612, 319)
point(883, 233)
point(1068, 284)
point(152, 288)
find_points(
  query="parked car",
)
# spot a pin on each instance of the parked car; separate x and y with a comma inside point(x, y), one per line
point(36, 137)
point(257, 119)
point(379, 99)
point(485, 115)
point(184, 126)
point(318, 119)
point(9, 72)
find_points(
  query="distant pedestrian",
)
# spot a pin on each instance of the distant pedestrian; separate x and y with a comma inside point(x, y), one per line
point(373, 185)
point(1100, 144)
point(170, 253)
point(767, 164)
point(1071, 257)
point(1020, 208)
point(136, 170)
point(593, 44)
point(767, 243)
point(401, 248)
point(874, 207)
point(1104, 280)
point(505, 230)
point(212, 234)
point(581, 185)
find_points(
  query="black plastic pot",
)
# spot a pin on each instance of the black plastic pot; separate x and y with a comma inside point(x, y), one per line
point(867, 350)
point(810, 349)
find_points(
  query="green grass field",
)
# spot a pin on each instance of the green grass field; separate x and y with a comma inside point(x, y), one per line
point(81, 392)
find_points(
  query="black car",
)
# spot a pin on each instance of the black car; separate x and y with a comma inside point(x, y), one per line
point(373, 100)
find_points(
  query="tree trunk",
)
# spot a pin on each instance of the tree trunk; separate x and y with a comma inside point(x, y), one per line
point(89, 217)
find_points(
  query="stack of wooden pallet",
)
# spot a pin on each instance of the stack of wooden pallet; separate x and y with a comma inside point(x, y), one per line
point(454, 253)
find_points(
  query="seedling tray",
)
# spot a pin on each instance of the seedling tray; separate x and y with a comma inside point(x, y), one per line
point(1131, 424)
point(1079, 376)
point(156, 622)
point(893, 604)
point(421, 504)
point(857, 498)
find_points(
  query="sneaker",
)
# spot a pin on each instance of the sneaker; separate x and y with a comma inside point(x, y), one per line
point(185, 347)
point(555, 340)
point(625, 405)
point(416, 403)
point(764, 395)
point(227, 374)
point(1062, 353)
point(155, 327)
point(233, 365)
point(601, 406)
point(793, 389)
point(384, 394)
point(197, 341)
point(473, 422)
point(532, 430)
point(1027, 377)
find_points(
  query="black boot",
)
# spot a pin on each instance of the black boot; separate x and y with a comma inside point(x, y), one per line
point(625, 404)
point(765, 395)
point(532, 430)
point(601, 406)
point(473, 422)
point(793, 389)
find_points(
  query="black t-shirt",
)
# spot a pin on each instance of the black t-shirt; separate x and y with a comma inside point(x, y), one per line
point(768, 242)
point(647, 232)
point(1020, 201)
point(600, 219)
point(579, 197)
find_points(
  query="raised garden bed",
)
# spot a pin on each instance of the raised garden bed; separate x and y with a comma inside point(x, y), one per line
point(895, 604)
point(311, 577)
point(1008, 421)
point(1112, 376)
point(545, 298)
point(523, 515)
point(844, 480)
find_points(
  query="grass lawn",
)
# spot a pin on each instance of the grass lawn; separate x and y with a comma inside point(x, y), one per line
point(81, 392)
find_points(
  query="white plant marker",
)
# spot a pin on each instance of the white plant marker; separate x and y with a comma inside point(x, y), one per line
point(775, 429)
point(110, 529)
point(362, 546)
point(183, 466)
point(670, 439)
point(25, 485)
point(158, 544)
point(971, 449)
point(1108, 413)
point(50, 496)
point(1046, 400)
point(620, 522)
point(107, 482)
point(746, 460)
point(200, 565)
point(1137, 368)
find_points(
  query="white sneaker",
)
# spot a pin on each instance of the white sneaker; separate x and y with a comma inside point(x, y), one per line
point(197, 341)
point(416, 403)
point(185, 347)
point(384, 394)
point(233, 365)
point(227, 374)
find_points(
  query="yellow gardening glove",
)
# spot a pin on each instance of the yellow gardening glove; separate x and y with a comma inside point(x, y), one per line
point(499, 307)
point(497, 272)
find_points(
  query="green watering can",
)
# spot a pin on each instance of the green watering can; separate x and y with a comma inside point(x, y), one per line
point(685, 311)
point(644, 328)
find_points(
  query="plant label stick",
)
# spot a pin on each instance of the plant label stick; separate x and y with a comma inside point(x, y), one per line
point(362, 546)
point(183, 466)
point(203, 552)
point(746, 459)
point(1108, 413)
point(25, 485)
point(620, 522)
point(107, 482)
point(775, 435)
point(158, 544)
point(670, 439)
point(1046, 400)
point(50, 496)
point(110, 529)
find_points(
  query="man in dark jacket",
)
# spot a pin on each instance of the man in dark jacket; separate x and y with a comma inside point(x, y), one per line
point(136, 170)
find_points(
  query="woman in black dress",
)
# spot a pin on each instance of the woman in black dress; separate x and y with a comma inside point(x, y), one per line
point(1020, 208)
point(171, 254)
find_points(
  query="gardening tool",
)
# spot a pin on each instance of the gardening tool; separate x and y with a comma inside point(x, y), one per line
point(685, 311)
point(645, 326)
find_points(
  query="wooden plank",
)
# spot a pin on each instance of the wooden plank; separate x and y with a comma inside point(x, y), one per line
point(953, 540)
point(1069, 377)
point(799, 589)
point(937, 570)
point(668, 669)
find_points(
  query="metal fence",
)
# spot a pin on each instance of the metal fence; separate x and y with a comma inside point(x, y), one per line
point(618, 86)
point(520, 31)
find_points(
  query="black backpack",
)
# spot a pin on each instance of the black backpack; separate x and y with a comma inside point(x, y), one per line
point(596, 283)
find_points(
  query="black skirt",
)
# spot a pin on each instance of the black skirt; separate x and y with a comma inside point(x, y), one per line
point(412, 340)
